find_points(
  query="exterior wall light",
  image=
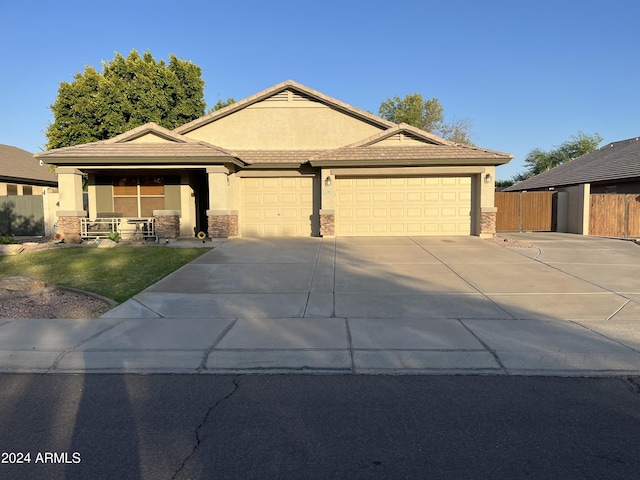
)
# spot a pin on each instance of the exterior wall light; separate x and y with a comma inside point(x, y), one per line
point(488, 178)
point(327, 181)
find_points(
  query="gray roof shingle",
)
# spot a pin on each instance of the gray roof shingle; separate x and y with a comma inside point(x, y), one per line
point(19, 166)
point(615, 161)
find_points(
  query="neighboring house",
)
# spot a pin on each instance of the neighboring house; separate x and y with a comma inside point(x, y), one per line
point(288, 161)
point(24, 189)
point(612, 170)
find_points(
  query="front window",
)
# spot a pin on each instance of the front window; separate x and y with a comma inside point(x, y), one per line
point(138, 195)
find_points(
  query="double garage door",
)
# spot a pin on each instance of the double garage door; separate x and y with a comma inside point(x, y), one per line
point(403, 206)
point(364, 206)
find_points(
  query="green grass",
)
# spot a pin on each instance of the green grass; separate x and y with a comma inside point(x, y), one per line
point(116, 273)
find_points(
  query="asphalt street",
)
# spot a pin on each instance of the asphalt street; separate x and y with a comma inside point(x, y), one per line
point(318, 427)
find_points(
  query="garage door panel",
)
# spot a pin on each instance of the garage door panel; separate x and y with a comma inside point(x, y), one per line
point(403, 206)
point(278, 206)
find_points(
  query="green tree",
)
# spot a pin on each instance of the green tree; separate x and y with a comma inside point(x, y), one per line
point(128, 93)
point(221, 104)
point(504, 183)
point(539, 161)
point(426, 114)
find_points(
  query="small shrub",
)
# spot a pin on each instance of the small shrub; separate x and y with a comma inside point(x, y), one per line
point(114, 236)
point(7, 240)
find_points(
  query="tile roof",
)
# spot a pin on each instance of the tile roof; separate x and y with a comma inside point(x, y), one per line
point(402, 128)
point(121, 147)
point(428, 154)
point(615, 161)
point(276, 156)
point(19, 166)
point(178, 148)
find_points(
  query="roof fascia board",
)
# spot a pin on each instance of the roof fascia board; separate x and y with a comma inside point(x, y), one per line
point(95, 162)
point(394, 162)
point(28, 181)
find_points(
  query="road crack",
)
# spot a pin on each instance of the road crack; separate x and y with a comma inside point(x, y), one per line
point(634, 383)
point(236, 385)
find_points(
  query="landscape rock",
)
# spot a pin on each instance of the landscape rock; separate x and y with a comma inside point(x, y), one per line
point(107, 243)
point(11, 249)
point(20, 284)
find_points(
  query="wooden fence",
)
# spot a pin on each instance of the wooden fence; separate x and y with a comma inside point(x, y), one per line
point(525, 211)
point(21, 215)
point(614, 215)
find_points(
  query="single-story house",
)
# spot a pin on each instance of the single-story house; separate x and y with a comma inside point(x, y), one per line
point(288, 161)
point(21, 174)
point(26, 191)
point(613, 169)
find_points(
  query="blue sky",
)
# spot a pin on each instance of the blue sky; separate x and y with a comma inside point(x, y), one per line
point(528, 73)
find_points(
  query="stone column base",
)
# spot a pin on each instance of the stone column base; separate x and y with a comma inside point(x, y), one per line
point(69, 225)
point(222, 223)
point(167, 223)
point(488, 222)
point(327, 223)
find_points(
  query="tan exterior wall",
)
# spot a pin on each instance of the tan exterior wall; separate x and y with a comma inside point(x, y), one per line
point(283, 125)
point(150, 138)
point(49, 199)
point(104, 200)
point(399, 140)
point(35, 189)
point(578, 208)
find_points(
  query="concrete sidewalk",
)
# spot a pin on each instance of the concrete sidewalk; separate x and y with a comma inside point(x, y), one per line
point(423, 305)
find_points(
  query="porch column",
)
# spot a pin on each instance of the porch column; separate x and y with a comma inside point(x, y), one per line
point(488, 211)
point(70, 203)
point(223, 221)
point(327, 204)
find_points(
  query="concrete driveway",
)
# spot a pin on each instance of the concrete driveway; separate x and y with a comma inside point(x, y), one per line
point(569, 306)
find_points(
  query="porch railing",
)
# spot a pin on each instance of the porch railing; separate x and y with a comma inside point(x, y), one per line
point(127, 227)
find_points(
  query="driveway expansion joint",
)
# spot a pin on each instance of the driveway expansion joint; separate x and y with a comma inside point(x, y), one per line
point(350, 344)
point(493, 353)
point(205, 356)
point(59, 358)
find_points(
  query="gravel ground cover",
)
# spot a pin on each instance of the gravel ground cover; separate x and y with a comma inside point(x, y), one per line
point(52, 303)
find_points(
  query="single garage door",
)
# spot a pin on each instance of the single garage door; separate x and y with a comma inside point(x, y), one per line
point(277, 207)
point(403, 206)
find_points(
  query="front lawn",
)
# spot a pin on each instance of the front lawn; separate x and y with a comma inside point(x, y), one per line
point(116, 273)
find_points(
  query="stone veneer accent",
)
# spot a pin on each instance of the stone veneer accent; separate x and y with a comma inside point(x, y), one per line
point(69, 225)
point(167, 223)
point(327, 223)
point(488, 223)
point(222, 225)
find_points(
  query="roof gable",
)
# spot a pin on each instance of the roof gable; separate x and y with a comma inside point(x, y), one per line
point(148, 133)
point(149, 143)
point(402, 135)
point(288, 116)
point(285, 91)
point(407, 145)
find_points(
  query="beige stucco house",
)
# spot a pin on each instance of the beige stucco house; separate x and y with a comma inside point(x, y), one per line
point(288, 161)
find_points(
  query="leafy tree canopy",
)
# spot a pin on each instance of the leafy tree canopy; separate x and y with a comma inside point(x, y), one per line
point(221, 104)
point(426, 114)
point(538, 160)
point(128, 93)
